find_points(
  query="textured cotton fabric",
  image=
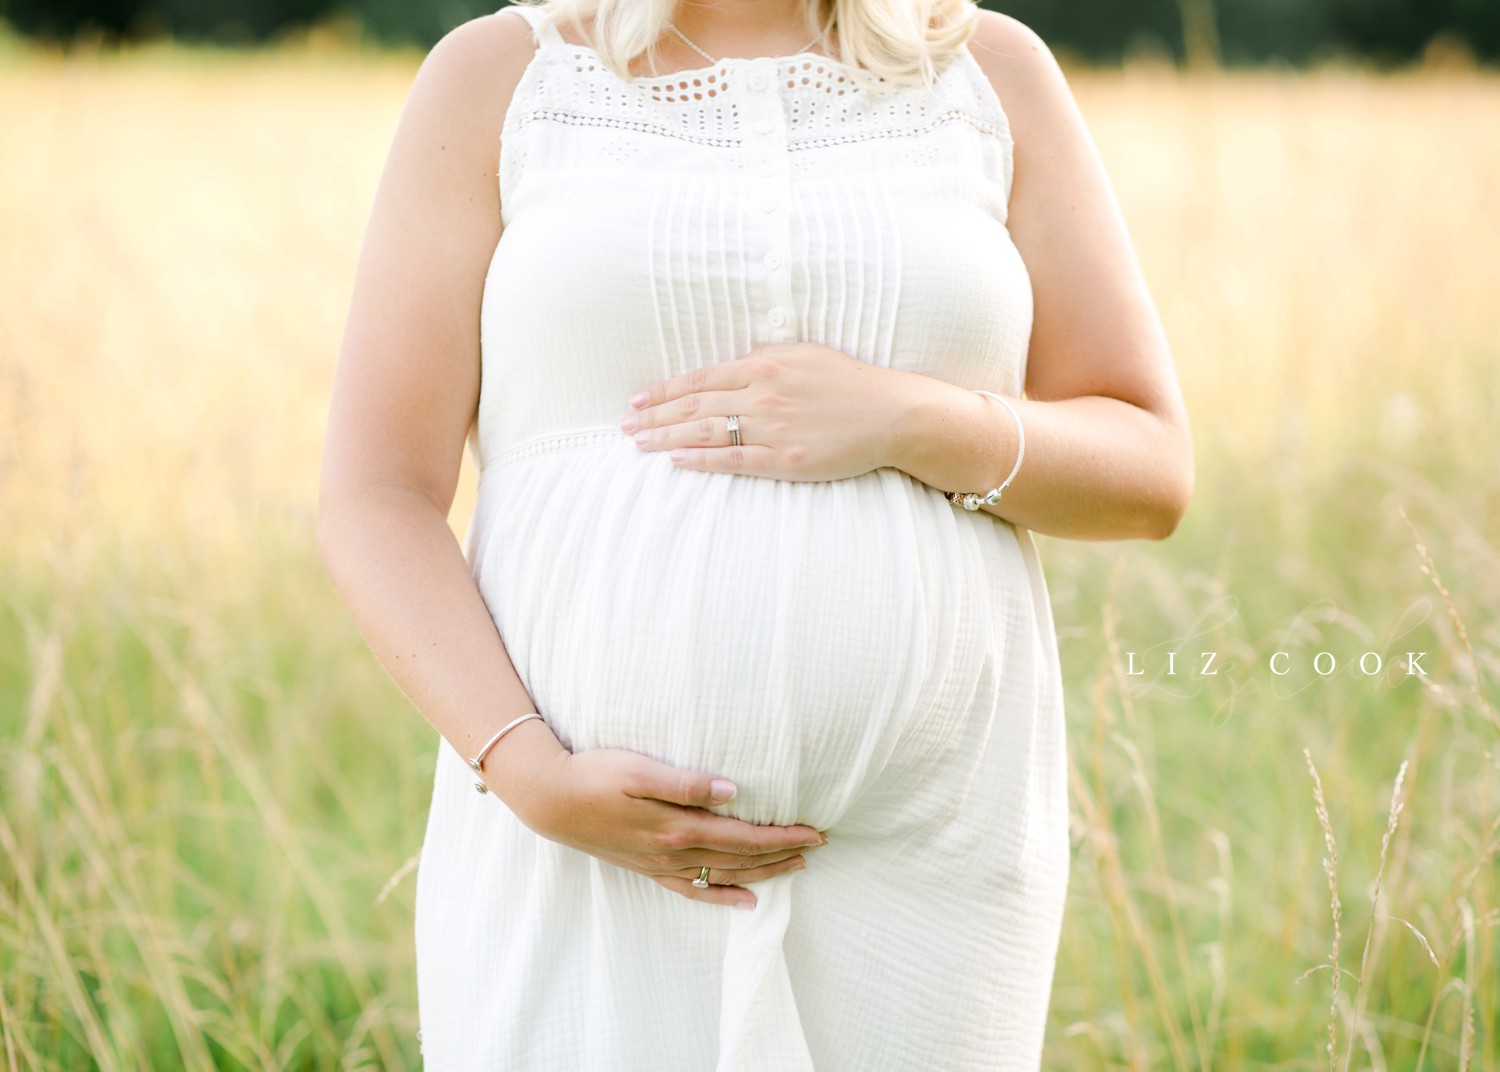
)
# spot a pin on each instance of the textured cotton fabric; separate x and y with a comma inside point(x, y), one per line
point(858, 655)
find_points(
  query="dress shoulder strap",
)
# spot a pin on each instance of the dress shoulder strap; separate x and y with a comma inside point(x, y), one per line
point(532, 13)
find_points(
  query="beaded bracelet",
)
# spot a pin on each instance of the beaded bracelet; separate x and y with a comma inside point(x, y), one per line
point(971, 500)
point(477, 762)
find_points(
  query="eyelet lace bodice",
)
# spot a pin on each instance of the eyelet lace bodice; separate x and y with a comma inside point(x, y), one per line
point(824, 104)
point(733, 105)
point(652, 225)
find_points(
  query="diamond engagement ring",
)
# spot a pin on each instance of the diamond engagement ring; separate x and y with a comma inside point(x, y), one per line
point(734, 441)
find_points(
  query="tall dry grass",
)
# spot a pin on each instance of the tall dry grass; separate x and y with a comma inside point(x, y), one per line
point(213, 796)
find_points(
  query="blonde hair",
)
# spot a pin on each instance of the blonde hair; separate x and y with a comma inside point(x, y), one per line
point(905, 42)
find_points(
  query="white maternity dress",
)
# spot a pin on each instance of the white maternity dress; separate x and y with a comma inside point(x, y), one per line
point(859, 655)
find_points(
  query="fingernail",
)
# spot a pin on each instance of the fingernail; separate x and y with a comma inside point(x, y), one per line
point(638, 399)
point(721, 790)
point(642, 437)
point(628, 422)
point(801, 864)
point(746, 905)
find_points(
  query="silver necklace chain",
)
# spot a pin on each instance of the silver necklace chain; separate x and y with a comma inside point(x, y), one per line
point(711, 59)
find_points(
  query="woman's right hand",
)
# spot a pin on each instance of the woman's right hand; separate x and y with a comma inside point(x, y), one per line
point(647, 816)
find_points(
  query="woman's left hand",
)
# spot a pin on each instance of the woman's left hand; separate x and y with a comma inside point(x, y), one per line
point(807, 412)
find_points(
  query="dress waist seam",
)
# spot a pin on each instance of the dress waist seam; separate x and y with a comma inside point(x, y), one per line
point(552, 442)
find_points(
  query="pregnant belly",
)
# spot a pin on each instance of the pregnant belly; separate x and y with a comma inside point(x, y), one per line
point(787, 635)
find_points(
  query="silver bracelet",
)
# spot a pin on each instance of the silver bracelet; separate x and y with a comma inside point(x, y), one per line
point(477, 762)
point(971, 500)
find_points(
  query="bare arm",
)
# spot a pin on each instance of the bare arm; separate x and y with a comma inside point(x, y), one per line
point(1108, 449)
point(405, 390)
point(404, 396)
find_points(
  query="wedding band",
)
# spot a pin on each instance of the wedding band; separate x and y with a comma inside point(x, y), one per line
point(702, 880)
point(734, 441)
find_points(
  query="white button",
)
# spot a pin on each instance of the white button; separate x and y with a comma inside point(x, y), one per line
point(777, 316)
point(768, 168)
point(764, 126)
point(772, 260)
point(770, 206)
point(758, 81)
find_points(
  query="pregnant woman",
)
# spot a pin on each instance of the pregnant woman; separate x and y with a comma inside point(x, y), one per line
point(774, 328)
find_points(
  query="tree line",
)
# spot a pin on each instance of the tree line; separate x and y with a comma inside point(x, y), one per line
point(1230, 32)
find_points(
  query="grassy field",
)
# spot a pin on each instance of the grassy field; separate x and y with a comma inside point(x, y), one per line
point(213, 796)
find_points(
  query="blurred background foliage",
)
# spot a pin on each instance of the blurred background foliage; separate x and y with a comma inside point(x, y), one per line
point(1231, 32)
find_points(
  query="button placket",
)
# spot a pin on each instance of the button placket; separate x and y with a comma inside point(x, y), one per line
point(768, 138)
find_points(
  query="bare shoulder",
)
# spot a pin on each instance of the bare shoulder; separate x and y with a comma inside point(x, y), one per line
point(467, 79)
point(1020, 66)
point(1004, 35)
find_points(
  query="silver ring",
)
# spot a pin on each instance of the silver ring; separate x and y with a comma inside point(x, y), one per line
point(702, 880)
point(734, 441)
